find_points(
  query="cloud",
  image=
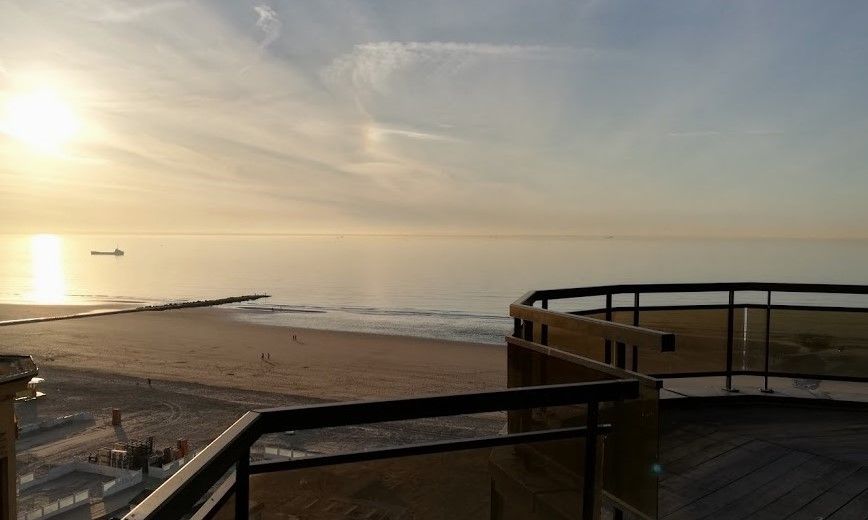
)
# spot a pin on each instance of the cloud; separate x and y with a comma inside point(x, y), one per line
point(714, 133)
point(378, 132)
point(421, 120)
point(123, 14)
point(269, 23)
point(371, 65)
point(695, 133)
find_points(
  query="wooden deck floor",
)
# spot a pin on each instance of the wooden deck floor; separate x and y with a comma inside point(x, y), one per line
point(764, 462)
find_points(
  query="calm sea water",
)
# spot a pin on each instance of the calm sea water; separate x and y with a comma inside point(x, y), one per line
point(447, 287)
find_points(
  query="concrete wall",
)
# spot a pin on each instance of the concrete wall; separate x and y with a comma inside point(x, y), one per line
point(45, 424)
point(58, 506)
point(121, 483)
point(28, 481)
point(276, 452)
point(169, 469)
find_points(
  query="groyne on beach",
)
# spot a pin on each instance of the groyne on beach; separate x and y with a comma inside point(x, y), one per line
point(141, 308)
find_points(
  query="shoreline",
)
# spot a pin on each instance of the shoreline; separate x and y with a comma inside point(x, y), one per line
point(23, 313)
point(210, 346)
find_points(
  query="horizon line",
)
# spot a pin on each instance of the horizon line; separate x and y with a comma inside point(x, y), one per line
point(602, 236)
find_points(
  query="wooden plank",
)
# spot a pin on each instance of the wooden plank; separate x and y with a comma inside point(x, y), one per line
point(856, 509)
point(687, 446)
point(835, 498)
point(686, 464)
point(716, 473)
point(750, 505)
point(672, 438)
point(698, 452)
point(719, 500)
point(802, 494)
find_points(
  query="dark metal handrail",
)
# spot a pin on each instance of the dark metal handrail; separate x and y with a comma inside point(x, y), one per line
point(524, 319)
point(532, 297)
point(178, 496)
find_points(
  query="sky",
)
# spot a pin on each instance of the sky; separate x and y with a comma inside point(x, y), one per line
point(699, 118)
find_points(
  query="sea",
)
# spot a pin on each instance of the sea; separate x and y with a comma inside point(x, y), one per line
point(448, 287)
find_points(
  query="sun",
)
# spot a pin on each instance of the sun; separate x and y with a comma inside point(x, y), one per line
point(41, 119)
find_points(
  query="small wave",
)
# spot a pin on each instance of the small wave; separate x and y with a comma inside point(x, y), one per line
point(373, 311)
point(276, 308)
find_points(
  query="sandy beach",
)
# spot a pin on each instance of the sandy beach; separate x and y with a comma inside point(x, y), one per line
point(214, 347)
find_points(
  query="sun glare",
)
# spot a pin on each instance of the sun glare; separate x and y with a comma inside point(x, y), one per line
point(47, 279)
point(40, 119)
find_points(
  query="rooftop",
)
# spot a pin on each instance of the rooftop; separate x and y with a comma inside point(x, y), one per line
point(16, 367)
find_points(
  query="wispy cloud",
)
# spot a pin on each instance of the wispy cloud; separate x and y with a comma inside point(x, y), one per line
point(126, 13)
point(368, 115)
point(695, 133)
point(378, 132)
point(714, 133)
point(269, 22)
point(370, 65)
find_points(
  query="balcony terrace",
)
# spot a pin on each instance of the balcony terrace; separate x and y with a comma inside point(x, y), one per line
point(629, 401)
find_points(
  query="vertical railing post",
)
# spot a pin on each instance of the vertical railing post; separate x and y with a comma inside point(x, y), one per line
point(516, 327)
point(242, 486)
point(730, 325)
point(527, 329)
point(620, 354)
point(607, 345)
point(543, 328)
point(589, 484)
point(635, 363)
point(765, 389)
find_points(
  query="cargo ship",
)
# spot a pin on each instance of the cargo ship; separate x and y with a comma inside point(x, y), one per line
point(116, 252)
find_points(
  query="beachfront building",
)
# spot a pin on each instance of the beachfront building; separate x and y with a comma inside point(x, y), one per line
point(686, 401)
point(15, 374)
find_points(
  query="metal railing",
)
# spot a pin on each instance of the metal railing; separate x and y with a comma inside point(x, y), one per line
point(202, 488)
point(187, 491)
point(527, 316)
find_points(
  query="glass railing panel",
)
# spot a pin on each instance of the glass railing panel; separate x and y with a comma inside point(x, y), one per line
point(631, 449)
point(825, 343)
point(828, 343)
point(700, 340)
point(749, 339)
point(821, 299)
point(582, 344)
point(516, 481)
point(330, 441)
point(700, 343)
point(568, 341)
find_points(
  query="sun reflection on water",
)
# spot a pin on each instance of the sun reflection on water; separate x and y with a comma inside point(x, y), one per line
point(47, 281)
